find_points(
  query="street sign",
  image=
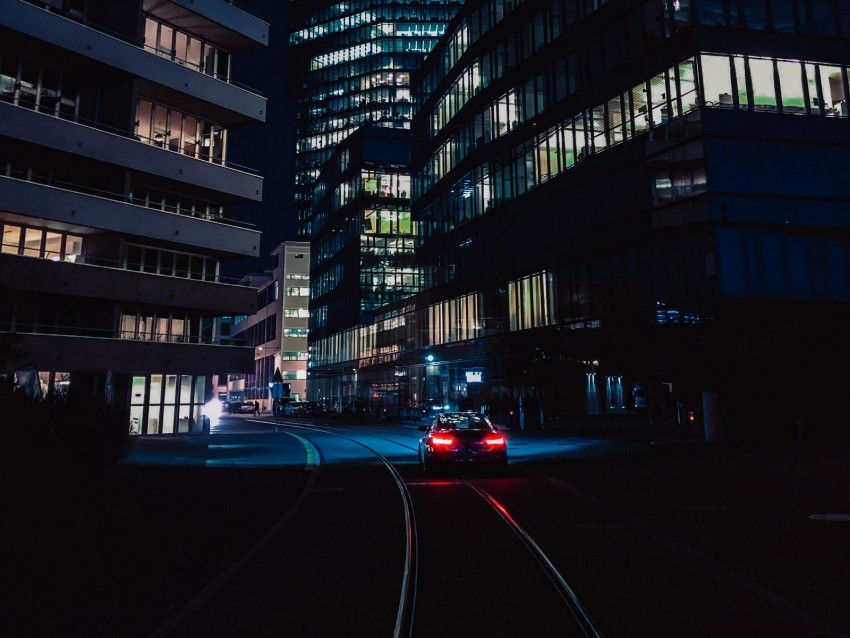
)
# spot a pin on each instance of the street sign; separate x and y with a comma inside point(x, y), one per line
point(280, 390)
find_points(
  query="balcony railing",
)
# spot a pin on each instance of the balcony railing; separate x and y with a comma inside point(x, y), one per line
point(45, 180)
point(56, 6)
point(100, 333)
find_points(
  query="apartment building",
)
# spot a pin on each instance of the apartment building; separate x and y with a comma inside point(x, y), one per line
point(115, 191)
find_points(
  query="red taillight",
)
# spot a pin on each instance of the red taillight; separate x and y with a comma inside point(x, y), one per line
point(442, 440)
point(495, 440)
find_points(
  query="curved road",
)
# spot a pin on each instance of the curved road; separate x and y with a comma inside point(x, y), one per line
point(371, 548)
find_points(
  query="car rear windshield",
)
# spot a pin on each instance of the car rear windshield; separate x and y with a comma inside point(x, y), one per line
point(462, 422)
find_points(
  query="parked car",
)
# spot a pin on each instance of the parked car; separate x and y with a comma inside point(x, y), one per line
point(294, 408)
point(302, 408)
point(461, 439)
point(312, 408)
point(329, 410)
point(238, 407)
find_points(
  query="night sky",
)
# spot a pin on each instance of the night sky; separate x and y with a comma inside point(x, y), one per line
point(269, 148)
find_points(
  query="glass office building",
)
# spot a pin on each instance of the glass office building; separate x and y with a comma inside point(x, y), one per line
point(362, 259)
point(627, 199)
point(350, 65)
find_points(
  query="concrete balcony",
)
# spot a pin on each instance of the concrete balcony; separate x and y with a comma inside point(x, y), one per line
point(95, 355)
point(223, 102)
point(83, 280)
point(217, 21)
point(230, 184)
point(71, 210)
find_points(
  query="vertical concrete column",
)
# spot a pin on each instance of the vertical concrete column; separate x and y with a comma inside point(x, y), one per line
point(711, 416)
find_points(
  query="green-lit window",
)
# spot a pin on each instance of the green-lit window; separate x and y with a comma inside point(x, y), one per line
point(740, 76)
point(154, 405)
point(717, 80)
point(764, 83)
point(791, 86)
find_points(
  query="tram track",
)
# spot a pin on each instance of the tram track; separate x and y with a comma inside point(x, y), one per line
point(407, 597)
point(414, 593)
point(565, 592)
point(318, 551)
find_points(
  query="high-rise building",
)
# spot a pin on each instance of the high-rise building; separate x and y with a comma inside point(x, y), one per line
point(362, 253)
point(350, 65)
point(627, 206)
point(115, 188)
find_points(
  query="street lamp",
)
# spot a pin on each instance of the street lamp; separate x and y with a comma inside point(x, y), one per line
point(433, 376)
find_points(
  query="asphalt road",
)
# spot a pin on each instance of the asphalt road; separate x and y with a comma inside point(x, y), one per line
point(326, 528)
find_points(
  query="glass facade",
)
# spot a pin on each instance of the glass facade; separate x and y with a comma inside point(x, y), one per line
point(596, 197)
point(183, 133)
point(363, 245)
point(742, 82)
point(186, 49)
point(482, 142)
point(351, 66)
point(37, 242)
point(168, 403)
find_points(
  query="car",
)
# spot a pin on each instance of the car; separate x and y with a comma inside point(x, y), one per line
point(427, 409)
point(312, 408)
point(302, 408)
point(294, 408)
point(247, 407)
point(462, 439)
point(238, 407)
point(230, 407)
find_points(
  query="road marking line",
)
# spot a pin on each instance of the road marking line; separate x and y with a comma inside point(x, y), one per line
point(313, 458)
point(841, 518)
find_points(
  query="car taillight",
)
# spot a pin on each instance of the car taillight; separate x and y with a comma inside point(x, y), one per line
point(495, 440)
point(442, 440)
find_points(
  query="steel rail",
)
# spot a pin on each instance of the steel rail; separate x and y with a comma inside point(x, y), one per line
point(563, 588)
point(807, 623)
point(407, 597)
point(583, 619)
